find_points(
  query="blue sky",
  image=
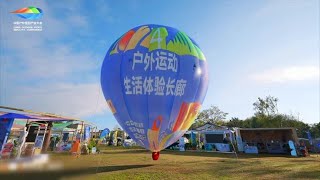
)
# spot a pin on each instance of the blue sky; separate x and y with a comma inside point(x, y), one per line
point(253, 48)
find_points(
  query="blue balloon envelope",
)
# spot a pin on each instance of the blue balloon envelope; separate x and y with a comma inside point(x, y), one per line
point(154, 79)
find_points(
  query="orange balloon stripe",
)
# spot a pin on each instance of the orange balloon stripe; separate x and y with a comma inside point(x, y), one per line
point(193, 112)
point(182, 115)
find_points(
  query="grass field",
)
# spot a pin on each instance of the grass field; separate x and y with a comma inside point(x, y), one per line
point(119, 163)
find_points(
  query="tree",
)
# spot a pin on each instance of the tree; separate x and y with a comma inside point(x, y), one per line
point(315, 130)
point(276, 121)
point(267, 116)
point(212, 115)
point(266, 107)
point(235, 122)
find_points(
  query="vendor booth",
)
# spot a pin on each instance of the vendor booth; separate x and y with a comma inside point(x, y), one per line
point(215, 138)
point(34, 137)
point(31, 139)
point(62, 137)
point(266, 140)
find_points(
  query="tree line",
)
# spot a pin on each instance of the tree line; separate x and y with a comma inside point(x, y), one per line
point(266, 115)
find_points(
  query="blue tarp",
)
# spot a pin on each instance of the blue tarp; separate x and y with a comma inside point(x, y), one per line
point(16, 116)
point(87, 133)
point(5, 127)
point(104, 133)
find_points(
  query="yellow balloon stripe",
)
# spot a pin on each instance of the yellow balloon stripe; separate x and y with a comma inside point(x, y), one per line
point(137, 37)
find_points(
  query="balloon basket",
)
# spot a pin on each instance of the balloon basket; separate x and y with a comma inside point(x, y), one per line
point(155, 155)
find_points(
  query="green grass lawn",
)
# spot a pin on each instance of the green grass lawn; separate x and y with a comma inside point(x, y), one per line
point(119, 163)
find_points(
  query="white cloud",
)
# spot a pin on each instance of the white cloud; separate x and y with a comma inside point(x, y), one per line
point(292, 73)
point(41, 54)
point(63, 79)
point(58, 61)
point(77, 100)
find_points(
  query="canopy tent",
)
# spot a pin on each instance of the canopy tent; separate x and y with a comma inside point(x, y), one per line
point(61, 126)
point(21, 114)
point(12, 114)
point(40, 116)
point(15, 115)
point(68, 130)
point(210, 127)
point(212, 135)
point(32, 117)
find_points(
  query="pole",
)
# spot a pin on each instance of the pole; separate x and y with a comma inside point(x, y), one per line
point(82, 131)
point(46, 142)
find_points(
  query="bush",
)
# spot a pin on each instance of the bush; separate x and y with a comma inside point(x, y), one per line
point(92, 143)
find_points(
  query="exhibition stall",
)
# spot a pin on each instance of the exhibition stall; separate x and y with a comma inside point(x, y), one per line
point(266, 140)
point(34, 137)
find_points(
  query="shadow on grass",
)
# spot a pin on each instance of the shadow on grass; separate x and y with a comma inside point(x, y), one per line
point(201, 154)
point(225, 155)
point(126, 151)
point(119, 148)
point(315, 174)
point(197, 153)
point(48, 175)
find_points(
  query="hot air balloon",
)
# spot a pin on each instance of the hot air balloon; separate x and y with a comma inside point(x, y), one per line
point(154, 79)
